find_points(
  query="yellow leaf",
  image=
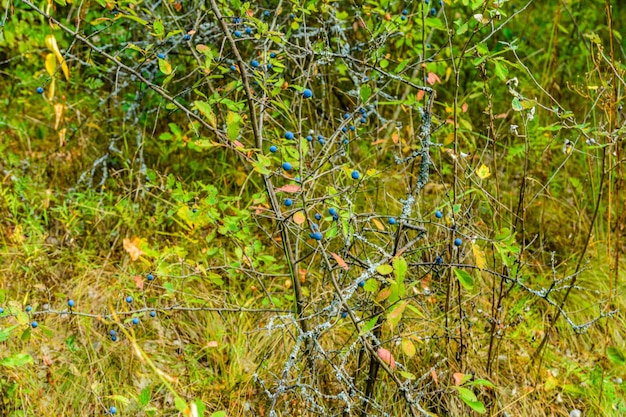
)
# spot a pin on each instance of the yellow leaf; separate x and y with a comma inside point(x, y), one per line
point(51, 64)
point(58, 112)
point(479, 255)
point(378, 224)
point(483, 171)
point(51, 43)
point(132, 247)
point(408, 348)
point(384, 269)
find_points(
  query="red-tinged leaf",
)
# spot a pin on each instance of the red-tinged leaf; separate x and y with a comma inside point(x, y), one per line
point(138, 282)
point(299, 218)
point(464, 107)
point(383, 294)
point(434, 376)
point(387, 357)
point(458, 378)
point(420, 95)
point(290, 188)
point(132, 247)
point(433, 78)
point(340, 261)
point(238, 144)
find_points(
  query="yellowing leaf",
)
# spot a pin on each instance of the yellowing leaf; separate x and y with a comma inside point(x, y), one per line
point(206, 110)
point(51, 43)
point(408, 348)
point(51, 64)
point(165, 67)
point(132, 247)
point(340, 261)
point(483, 171)
point(299, 218)
point(378, 224)
point(479, 256)
point(384, 269)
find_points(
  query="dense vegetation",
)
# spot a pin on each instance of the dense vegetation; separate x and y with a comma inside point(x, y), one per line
point(312, 207)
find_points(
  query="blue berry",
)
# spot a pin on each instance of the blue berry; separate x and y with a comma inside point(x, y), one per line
point(28, 309)
point(403, 17)
point(392, 220)
point(307, 93)
point(114, 338)
point(1, 310)
point(426, 1)
point(34, 324)
point(254, 63)
point(363, 120)
point(352, 128)
point(433, 12)
point(150, 277)
point(316, 235)
point(346, 116)
point(194, 210)
point(248, 30)
point(320, 137)
point(344, 129)
point(237, 20)
point(266, 13)
point(318, 216)
point(438, 260)
point(273, 149)
point(355, 175)
point(309, 138)
point(335, 217)
point(135, 320)
point(153, 313)
point(287, 166)
point(186, 37)
point(270, 66)
point(113, 410)
point(345, 141)
point(237, 33)
point(288, 135)
point(344, 314)
point(71, 303)
point(361, 284)
point(321, 141)
point(288, 202)
point(362, 110)
point(315, 227)
point(441, 3)
point(272, 54)
point(405, 12)
point(161, 55)
point(129, 299)
point(39, 90)
point(438, 214)
point(332, 211)
point(233, 68)
point(458, 242)
point(112, 333)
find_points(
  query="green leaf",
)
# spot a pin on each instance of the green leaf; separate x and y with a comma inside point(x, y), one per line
point(366, 92)
point(5, 333)
point(144, 397)
point(369, 325)
point(399, 268)
point(165, 67)
point(465, 279)
point(615, 355)
point(517, 105)
point(395, 315)
point(480, 383)
point(219, 414)
point(17, 360)
point(384, 269)
point(181, 405)
point(501, 71)
point(371, 285)
point(159, 30)
point(233, 121)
